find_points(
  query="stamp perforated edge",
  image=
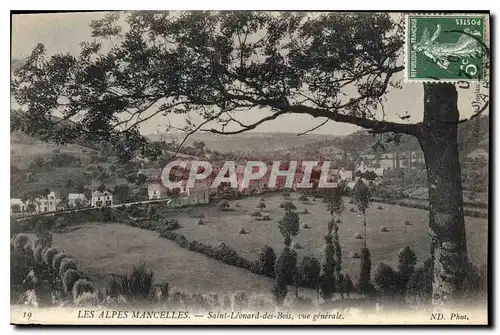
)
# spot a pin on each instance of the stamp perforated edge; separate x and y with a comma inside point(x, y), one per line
point(486, 32)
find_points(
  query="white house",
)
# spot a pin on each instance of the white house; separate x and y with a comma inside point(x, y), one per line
point(47, 203)
point(17, 206)
point(102, 199)
point(157, 191)
point(345, 174)
point(77, 200)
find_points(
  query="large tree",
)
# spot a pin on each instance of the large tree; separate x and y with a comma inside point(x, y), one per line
point(336, 67)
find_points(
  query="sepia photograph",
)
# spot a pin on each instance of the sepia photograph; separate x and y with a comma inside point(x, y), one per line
point(250, 168)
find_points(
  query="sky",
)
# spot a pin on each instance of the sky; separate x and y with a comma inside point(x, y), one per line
point(63, 32)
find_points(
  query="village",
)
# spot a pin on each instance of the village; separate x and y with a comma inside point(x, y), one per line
point(370, 169)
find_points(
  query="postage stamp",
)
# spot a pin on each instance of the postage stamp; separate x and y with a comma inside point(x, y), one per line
point(445, 47)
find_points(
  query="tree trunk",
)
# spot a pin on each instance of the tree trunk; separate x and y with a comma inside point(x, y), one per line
point(438, 139)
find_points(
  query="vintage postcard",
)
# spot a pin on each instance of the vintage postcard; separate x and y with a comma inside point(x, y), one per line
point(250, 167)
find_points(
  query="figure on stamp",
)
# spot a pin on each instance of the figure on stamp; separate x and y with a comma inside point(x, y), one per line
point(440, 53)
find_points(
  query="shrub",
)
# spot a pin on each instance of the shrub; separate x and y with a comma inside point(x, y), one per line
point(224, 205)
point(337, 220)
point(66, 264)
point(383, 229)
point(420, 284)
point(256, 214)
point(386, 278)
point(352, 210)
point(354, 255)
point(237, 205)
point(303, 197)
point(240, 300)
point(289, 224)
point(242, 231)
point(266, 218)
point(261, 205)
point(305, 211)
point(288, 206)
point(305, 225)
point(168, 224)
point(407, 223)
point(37, 254)
point(364, 283)
point(200, 222)
point(358, 236)
point(87, 299)
point(267, 261)
point(82, 286)
point(297, 246)
point(182, 241)
point(56, 261)
point(69, 279)
point(28, 250)
point(310, 271)
point(61, 223)
point(20, 241)
point(380, 207)
point(407, 259)
point(49, 256)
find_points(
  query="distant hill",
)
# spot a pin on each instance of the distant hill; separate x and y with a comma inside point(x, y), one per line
point(247, 142)
point(24, 148)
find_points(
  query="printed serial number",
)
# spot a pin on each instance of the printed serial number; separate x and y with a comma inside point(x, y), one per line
point(468, 22)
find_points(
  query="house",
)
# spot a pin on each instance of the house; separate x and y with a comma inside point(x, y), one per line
point(102, 199)
point(157, 191)
point(77, 200)
point(47, 203)
point(17, 206)
point(62, 205)
point(199, 194)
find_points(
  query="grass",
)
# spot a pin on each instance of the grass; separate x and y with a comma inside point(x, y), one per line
point(104, 249)
point(384, 246)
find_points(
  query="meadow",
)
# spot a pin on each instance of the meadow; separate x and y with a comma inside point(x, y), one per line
point(222, 226)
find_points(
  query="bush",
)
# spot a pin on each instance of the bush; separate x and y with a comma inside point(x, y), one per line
point(87, 299)
point(303, 197)
point(56, 261)
point(354, 255)
point(224, 205)
point(267, 261)
point(256, 214)
point(200, 222)
point(69, 279)
point(383, 229)
point(242, 231)
point(380, 207)
point(20, 241)
point(49, 256)
point(310, 269)
point(352, 209)
point(66, 264)
point(305, 225)
point(358, 236)
point(407, 223)
point(61, 223)
point(288, 206)
point(266, 218)
point(297, 246)
point(182, 241)
point(37, 254)
point(337, 220)
point(386, 279)
point(305, 211)
point(82, 286)
point(168, 224)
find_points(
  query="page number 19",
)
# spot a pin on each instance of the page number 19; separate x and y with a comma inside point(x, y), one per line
point(27, 315)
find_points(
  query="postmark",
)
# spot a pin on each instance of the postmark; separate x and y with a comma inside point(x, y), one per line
point(447, 48)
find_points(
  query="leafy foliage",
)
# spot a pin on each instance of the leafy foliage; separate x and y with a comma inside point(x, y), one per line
point(267, 261)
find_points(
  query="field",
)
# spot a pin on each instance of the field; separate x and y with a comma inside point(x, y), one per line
point(384, 246)
point(103, 249)
point(111, 248)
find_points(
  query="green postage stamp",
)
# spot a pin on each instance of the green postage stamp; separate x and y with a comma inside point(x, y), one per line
point(445, 47)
